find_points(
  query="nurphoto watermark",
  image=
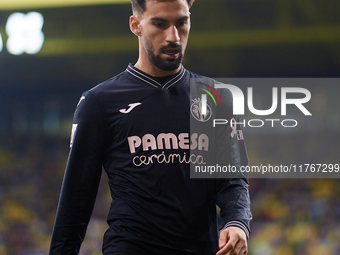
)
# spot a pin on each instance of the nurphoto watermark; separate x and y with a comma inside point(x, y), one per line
point(222, 109)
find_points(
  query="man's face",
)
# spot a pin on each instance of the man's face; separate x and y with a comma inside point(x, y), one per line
point(165, 29)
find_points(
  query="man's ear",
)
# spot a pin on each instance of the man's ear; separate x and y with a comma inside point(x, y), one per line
point(135, 25)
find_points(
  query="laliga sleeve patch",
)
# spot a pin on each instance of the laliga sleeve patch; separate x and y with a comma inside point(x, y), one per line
point(74, 128)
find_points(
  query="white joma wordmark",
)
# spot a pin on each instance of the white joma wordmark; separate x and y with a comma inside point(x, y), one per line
point(131, 106)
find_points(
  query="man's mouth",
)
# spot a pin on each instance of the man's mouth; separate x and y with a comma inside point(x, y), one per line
point(171, 53)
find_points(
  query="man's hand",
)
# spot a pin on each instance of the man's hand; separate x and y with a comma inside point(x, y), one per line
point(233, 241)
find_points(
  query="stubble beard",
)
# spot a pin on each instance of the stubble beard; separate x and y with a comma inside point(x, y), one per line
point(158, 61)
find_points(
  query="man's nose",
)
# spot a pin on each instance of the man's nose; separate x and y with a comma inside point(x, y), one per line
point(172, 34)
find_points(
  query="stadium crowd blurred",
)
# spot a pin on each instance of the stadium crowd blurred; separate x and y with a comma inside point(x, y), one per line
point(291, 216)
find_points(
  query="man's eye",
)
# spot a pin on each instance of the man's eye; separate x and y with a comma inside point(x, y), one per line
point(181, 23)
point(159, 24)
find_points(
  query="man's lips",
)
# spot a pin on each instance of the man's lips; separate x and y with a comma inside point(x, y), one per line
point(171, 52)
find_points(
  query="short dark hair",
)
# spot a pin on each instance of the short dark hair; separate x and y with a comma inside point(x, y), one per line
point(140, 5)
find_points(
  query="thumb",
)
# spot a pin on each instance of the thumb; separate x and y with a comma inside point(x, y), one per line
point(223, 239)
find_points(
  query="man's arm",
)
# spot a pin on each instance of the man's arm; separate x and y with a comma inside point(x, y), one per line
point(81, 179)
point(232, 193)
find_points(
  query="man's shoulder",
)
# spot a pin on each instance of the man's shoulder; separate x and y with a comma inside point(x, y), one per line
point(201, 81)
point(110, 84)
point(194, 75)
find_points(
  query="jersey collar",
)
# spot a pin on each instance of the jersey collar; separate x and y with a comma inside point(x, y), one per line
point(151, 81)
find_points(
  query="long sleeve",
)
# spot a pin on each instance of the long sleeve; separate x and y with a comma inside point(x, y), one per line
point(81, 179)
point(233, 199)
point(232, 192)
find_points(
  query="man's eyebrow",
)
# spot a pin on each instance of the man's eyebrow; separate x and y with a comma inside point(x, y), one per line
point(183, 18)
point(158, 19)
point(165, 20)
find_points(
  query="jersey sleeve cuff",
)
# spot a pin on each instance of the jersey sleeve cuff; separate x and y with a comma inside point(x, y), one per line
point(237, 224)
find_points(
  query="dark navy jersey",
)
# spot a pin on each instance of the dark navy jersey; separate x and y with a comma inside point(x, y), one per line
point(137, 129)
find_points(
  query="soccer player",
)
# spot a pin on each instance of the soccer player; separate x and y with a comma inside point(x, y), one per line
point(136, 126)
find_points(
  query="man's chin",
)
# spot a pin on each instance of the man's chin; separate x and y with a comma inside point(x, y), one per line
point(165, 63)
point(169, 64)
point(169, 67)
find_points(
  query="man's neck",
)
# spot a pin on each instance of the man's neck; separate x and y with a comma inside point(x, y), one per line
point(153, 70)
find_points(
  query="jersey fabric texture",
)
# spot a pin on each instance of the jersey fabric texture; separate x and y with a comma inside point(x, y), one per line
point(137, 130)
